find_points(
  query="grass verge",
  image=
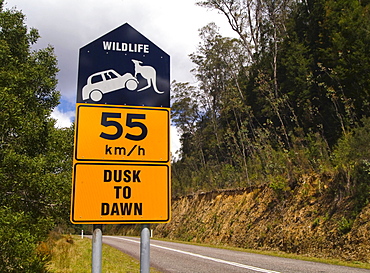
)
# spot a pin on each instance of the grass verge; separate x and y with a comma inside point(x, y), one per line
point(73, 254)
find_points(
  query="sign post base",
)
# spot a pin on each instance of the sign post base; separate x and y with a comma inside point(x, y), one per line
point(97, 249)
point(145, 249)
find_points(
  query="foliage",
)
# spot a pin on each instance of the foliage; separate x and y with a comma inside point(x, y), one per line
point(35, 157)
point(345, 225)
point(19, 236)
point(352, 161)
point(285, 100)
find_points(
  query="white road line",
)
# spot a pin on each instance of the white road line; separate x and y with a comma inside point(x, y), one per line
point(257, 269)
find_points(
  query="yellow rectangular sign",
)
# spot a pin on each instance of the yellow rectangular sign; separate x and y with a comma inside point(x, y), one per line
point(122, 133)
point(120, 193)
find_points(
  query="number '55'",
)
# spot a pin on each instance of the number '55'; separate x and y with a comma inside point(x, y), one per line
point(129, 123)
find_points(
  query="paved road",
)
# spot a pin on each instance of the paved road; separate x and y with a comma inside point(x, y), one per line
point(183, 258)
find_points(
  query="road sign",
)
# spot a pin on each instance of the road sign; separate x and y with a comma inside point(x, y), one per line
point(116, 193)
point(122, 133)
point(121, 160)
point(123, 67)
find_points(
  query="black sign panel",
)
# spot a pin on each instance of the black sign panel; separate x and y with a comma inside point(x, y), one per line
point(124, 68)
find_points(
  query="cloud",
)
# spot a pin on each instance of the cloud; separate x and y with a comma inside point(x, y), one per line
point(68, 25)
point(64, 119)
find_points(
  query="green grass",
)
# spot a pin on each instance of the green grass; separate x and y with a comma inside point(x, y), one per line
point(73, 254)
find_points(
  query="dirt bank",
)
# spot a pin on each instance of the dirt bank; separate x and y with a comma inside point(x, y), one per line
point(309, 220)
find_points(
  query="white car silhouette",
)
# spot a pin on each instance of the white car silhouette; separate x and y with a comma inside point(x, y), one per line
point(107, 81)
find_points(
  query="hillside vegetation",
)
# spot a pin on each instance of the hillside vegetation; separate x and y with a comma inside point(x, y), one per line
point(276, 133)
point(288, 99)
point(282, 111)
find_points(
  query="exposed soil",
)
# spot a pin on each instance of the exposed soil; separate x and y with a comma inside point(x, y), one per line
point(309, 220)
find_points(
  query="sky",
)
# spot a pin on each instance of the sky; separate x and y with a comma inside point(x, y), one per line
point(68, 25)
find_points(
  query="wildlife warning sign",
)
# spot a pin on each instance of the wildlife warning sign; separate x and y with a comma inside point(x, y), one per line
point(121, 160)
point(123, 67)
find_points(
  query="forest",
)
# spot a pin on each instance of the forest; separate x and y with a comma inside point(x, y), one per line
point(288, 98)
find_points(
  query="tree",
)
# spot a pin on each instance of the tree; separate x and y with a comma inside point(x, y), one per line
point(35, 157)
point(277, 99)
point(323, 65)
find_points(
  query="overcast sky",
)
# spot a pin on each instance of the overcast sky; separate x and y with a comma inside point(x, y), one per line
point(68, 25)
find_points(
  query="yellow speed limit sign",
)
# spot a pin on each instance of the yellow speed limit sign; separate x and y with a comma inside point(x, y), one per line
point(121, 164)
point(122, 133)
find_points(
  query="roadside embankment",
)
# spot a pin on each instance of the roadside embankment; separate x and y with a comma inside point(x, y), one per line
point(310, 220)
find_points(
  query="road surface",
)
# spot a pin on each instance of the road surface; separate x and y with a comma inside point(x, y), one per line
point(183, 258)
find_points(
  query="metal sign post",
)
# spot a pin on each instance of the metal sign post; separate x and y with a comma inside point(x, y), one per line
point(145, 249)
point(97, 249)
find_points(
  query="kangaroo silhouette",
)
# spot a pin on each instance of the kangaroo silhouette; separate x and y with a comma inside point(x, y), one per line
point(148, 73)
